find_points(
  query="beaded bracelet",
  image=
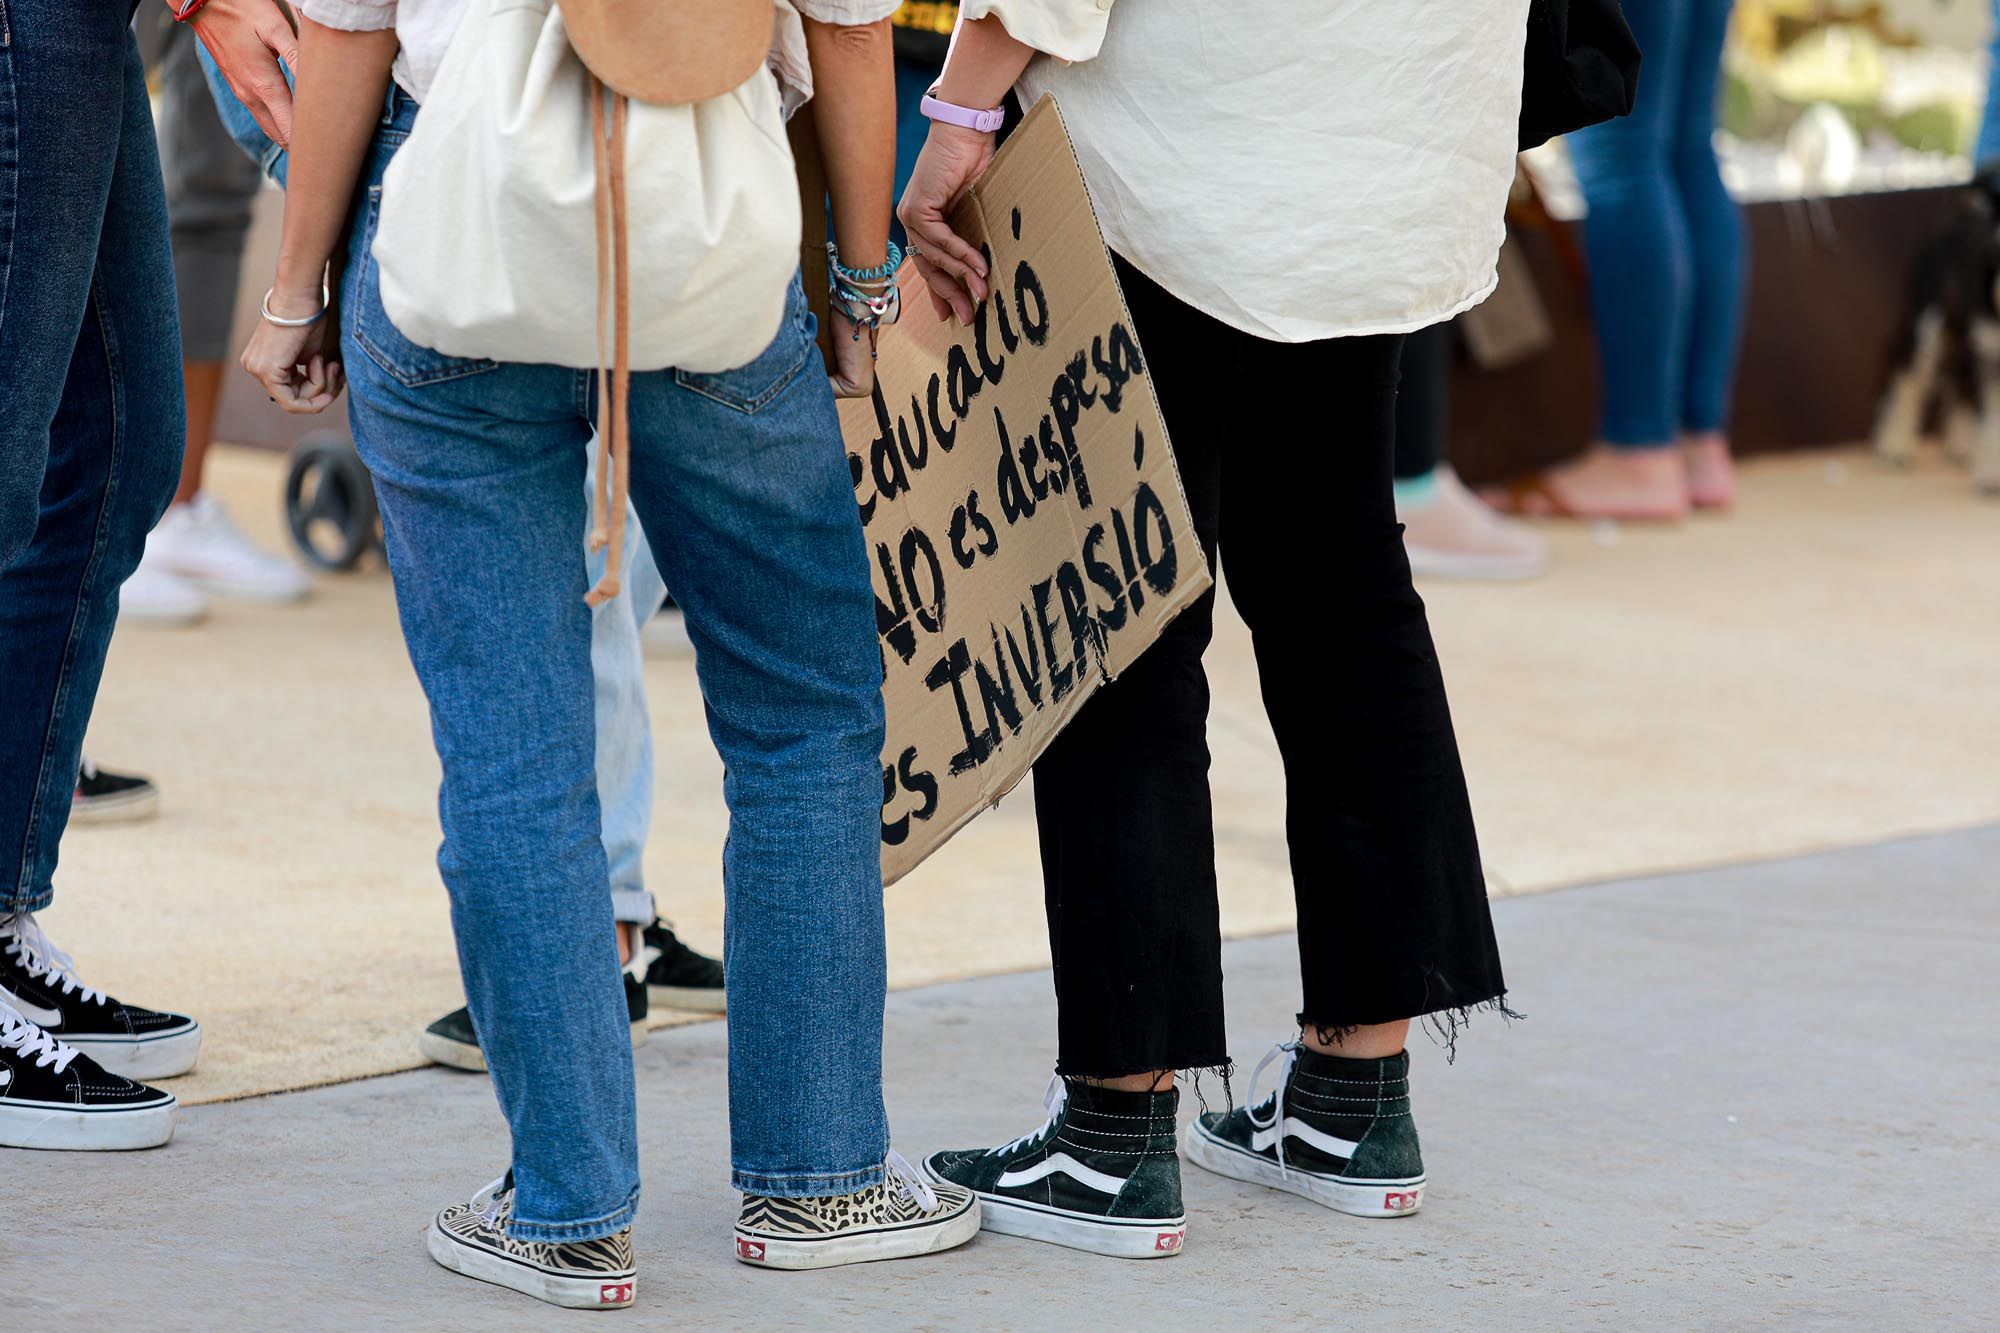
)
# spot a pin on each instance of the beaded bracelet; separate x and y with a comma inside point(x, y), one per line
point(882, 272)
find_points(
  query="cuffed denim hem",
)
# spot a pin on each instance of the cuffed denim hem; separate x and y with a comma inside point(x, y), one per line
point(808, 1185)
point(633, 906)
point(596, 1228)
point(27, 902)
point(1638, 441)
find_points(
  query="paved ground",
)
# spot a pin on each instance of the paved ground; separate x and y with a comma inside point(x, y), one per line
point(1754, 1095)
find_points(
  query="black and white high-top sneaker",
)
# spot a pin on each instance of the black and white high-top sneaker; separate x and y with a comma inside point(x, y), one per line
point(677, 976)
point(471, 1238)
point(54, 1096)
point(39, 982)
point(1100, 1175)
point(451, 1040)
point(1336, 1131)
point(900, 1218)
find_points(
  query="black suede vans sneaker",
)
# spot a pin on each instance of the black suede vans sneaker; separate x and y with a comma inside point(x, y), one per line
point(677, 976)
point(900, 1218)
point(471, 1238)
point(1100, 1175)
point(104, 797)
point(451, 1040)
point(54, 1096)
point(38, 981)
point(1336, 1131)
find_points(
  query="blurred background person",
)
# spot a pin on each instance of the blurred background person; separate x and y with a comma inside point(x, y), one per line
point(197, 551)
point(1667, 253)
point(1449, 532)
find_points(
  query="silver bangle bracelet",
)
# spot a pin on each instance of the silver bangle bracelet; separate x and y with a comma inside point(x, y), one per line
point(325, 300)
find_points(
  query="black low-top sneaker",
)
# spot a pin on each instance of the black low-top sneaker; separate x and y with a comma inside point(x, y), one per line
point(104, 797)
point(39, 982)
point(1100, 1175)
point(678, 977)
point(471, 1238)
point(451, 1040)
point(1336, 1131)
point(54, 1096)
point(903, 1216)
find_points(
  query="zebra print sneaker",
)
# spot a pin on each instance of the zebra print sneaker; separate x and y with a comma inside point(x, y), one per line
point(471, 1238)
point(903, 1216)
point(1336, 1131)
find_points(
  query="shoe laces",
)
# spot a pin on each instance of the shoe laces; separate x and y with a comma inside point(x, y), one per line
point(912, 1185)
point(1055, 1098)
point(492, 1204)
point(1287, 1055)
point(42, 959)
point(85, 770)
point(18, 1034)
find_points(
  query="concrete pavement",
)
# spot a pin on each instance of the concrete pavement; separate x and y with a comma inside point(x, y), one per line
point(1756, 1094)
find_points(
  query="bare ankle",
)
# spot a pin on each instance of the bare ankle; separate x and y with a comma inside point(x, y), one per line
point(1369, 1041)
point(1158, 1080)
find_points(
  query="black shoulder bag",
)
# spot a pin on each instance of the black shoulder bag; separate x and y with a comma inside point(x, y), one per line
point(1582, 67)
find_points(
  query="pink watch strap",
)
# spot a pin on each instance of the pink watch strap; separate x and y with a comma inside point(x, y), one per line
point(950, 113)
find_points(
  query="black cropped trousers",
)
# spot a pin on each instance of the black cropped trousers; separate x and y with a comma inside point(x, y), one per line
point(1285, 450)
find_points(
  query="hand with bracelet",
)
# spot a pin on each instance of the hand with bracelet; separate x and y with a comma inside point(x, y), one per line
point(295, 351)
point(854, 120)
point(964, 110)
point(862, 301)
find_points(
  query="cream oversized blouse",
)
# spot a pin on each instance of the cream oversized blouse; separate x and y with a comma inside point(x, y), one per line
point(1297, 170)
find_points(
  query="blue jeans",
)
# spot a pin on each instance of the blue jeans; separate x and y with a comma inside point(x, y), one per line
point(1664, 238)
point(624, 731)
point(742, 481)
point(91, 420)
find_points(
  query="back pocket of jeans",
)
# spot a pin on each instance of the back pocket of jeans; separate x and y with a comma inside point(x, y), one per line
point(410, 364)
point(754, 385)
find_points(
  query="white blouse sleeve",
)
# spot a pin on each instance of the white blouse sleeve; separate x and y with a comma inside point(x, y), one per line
point(350, 15)
point(851, 13)
point(1066, 29)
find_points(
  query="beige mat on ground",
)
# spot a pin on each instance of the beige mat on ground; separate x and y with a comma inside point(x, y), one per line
point(1824, 668)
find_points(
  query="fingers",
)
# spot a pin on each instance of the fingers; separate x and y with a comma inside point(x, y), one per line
point(947, 251)
point(948, 296)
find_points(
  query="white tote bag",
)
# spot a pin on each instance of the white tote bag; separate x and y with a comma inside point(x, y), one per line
point(487, 242)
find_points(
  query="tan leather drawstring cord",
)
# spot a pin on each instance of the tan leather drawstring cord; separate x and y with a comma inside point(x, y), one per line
point(608, 496)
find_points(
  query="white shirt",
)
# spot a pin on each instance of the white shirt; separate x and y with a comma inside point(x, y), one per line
point(1299, 171)
point(425, 27)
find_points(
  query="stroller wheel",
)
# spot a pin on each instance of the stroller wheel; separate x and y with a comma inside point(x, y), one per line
point(330, 503)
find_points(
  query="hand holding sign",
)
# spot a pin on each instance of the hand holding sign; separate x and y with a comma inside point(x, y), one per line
point(1026, 525)
point(953, 270)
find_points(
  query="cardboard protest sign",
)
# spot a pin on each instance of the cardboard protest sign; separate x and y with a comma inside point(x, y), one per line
point(1024, 516)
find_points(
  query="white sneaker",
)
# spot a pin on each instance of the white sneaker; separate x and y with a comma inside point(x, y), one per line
point(198, 541)
point(1456, 535)
point(154, 597)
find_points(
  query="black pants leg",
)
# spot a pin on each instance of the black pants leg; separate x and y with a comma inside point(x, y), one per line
point(1393, 917)
point(1285, 454)
point(1423, 404)
point(1121, 797)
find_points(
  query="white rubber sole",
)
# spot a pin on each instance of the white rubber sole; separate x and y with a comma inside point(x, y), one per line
point(599, 1291)
point(467, 1055)
point(61, 1128)
point(688, 998)
point(1120, 1238)
point(1429, 562)
point(760, 1250)
point(1356, 1198)
point(127, 807)
point(143, 1059)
